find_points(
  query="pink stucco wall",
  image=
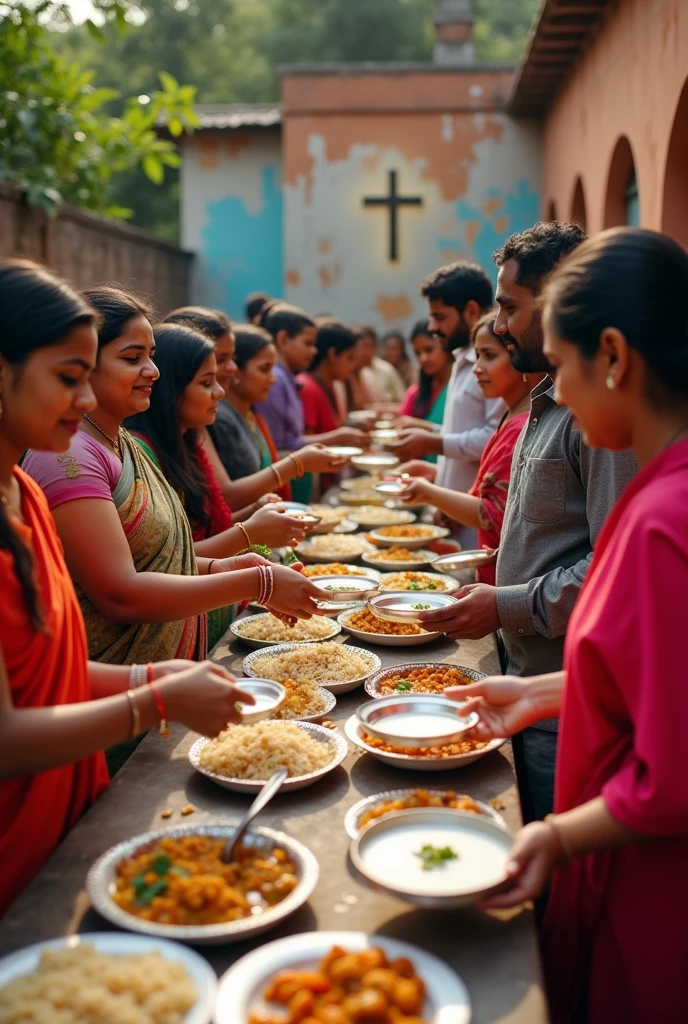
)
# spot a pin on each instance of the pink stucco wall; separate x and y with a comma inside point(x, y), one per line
point(630, 82)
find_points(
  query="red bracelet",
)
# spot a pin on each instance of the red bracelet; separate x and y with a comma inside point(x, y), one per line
point(210, 566)
point(164, 730)
point(149, 673)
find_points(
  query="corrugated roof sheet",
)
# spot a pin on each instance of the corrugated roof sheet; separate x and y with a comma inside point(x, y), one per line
point(228, 116)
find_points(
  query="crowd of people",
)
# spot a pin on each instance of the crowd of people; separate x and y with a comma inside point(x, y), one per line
point(141, 462)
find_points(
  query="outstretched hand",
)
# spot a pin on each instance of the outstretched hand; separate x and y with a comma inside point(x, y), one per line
point(475, 616)
point(505, 704)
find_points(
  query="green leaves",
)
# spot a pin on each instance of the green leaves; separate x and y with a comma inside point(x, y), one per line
point(435, 856)
point(58, 143)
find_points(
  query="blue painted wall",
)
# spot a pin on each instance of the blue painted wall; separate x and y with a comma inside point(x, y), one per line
point(241, 250)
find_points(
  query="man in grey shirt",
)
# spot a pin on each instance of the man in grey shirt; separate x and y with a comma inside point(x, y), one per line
point(560, 494)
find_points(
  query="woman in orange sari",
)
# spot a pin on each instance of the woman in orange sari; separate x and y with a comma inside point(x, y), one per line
point(57, 710)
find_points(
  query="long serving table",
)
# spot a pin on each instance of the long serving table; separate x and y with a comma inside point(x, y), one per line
point(495, 953)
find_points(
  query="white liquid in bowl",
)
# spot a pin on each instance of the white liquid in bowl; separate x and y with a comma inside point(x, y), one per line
point(390, 859)
point(413, 726)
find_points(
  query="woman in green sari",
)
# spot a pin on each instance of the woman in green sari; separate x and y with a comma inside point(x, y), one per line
point(143, 590)
point(423, 405)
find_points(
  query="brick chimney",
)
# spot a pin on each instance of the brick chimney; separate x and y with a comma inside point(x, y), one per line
point(454, 33)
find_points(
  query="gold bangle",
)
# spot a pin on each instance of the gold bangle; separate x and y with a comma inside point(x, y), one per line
point(135, 714)
point(550, 820)
point(245, 533)
point(278, 475)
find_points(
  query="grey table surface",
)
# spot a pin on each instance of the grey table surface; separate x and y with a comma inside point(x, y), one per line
point(495, 953)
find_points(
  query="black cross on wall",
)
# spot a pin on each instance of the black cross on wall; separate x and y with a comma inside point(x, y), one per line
point(393, 201)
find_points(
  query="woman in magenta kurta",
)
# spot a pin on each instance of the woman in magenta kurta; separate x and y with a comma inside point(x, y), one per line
point(615, 932)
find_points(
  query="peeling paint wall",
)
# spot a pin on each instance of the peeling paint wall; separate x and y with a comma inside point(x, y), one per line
point(477, 174)
point(232, 216)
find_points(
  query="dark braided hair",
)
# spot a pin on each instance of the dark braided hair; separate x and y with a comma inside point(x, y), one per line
point(37, 309)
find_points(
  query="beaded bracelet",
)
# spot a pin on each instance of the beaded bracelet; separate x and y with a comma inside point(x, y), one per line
point(164, 729)
point(138, 676)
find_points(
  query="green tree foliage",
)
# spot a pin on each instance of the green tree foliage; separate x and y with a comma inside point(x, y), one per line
point(55, 141)
point(501, 28)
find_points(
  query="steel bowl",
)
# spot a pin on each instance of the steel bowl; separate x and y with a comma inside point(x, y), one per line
point(374, 683)
point(346, 588)
point(343, 451)
point(386, 853)
point(407, 605)
point(368, 803)
point(416, 720)
point(459, 561)
point(100, 883)
point(269, 697)
point(375, 463)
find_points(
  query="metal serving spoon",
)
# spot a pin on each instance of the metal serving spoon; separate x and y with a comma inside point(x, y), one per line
point(264, 797)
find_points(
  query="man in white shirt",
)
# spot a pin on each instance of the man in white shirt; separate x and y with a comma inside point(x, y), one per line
point(382, 382)
point(458, 295)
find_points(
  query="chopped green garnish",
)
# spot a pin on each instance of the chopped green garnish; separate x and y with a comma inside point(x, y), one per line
point(335, 588)
point(180, 872)
point(421, 607)
point(414, 585)
point(161, 864)
point(435, 856)
point(404, 686)
point(261, 549)
point(290, 558)
point(148, 894)
point(431, 586)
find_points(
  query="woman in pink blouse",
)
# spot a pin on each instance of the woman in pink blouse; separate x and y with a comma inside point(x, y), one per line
point(615, 851)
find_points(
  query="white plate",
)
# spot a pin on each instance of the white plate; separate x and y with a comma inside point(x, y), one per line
point(369, 803)
point(445, 584)
point(316, 732)
point(390, 565)
point(375, 463)
point(386, 854)
point(100, 881)
point(242, 986)
point(387, 517)
point(343, 451)
point(311, 556)
point(385, 639)
point(352, 730)
point(24, 961)
point(355, 570)
point(411, 543)
point(251, 667)
point(260, 644)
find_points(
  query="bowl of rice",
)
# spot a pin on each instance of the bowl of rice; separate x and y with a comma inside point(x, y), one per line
point(266, 630)
point(243, 757)
point(380, 515)
point(338, 667)
point(204, 889)
point(128, 977)
point(333, 548)
point(411, 536)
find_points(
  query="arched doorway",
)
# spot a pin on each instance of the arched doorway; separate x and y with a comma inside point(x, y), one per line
point(622, 202)
point(675, 201)
point(552, 210)
point(578, 210)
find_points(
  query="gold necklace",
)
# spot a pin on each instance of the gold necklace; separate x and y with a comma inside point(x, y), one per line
point(114, 441)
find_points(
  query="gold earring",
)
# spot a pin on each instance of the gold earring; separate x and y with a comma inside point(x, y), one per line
point(525, 377)
point(611, 383)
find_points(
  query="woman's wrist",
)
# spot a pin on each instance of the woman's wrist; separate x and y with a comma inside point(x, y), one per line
point(545, 692)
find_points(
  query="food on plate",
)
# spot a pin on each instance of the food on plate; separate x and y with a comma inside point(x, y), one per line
point(369, 623)
point(303, 700)
point(410, 530)
point(257, 751)
point(79, 985)
point(432, 857)
point(424, 679)
point(346, 988)
point(450, 750)
point(333, 569)
point(397, 553)
point(340, 545)
point(329, 513)
point(378, 514)
point(420, 798)
point(183, 881)
point(415, 581)
point(269, 627)
point(320, 664)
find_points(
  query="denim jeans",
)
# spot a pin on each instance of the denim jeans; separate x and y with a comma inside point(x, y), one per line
point(535, 752)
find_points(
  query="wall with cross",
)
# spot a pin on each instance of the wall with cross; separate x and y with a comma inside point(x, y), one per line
point(389, 174)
